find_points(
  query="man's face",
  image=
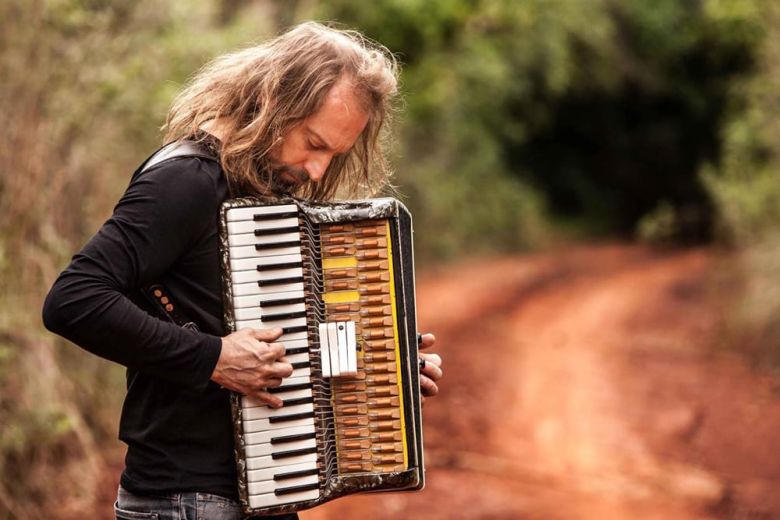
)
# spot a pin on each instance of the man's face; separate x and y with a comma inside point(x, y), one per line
point(308, 148)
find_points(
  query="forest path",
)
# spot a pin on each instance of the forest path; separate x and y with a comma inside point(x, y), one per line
point(587, 384)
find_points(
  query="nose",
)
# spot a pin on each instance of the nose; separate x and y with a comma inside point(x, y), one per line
point(317, 165)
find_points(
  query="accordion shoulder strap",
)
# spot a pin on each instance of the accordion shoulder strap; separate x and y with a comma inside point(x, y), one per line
point(184, 148)
point(156, 293)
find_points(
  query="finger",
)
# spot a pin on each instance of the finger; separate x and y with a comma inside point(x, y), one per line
point(432, 371)
point(270, 399)
point(267, 335)
point(278, 350)
point(274, 382)
point(281, 370)
point(427, 340)
point(431, 358)
point(428, 387)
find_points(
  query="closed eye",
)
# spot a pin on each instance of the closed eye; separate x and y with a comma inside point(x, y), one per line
point(315, 147)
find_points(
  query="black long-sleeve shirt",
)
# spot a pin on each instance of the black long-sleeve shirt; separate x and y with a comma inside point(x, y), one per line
point(175, 421)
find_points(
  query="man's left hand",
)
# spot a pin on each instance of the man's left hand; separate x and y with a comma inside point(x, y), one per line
point(431, 371)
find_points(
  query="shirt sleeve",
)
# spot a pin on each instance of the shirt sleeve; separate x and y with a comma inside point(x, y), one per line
point(164, 211)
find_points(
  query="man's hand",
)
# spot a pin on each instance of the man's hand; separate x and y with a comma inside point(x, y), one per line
point(250, 363)
point(431, 371)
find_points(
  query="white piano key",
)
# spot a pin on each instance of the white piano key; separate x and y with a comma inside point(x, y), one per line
point(255, 299)
point(251, 252)
point(259, 324)
point(269, 486)
point(351, 348)
point(256, 276)
point(254, 435)
point(341, 332)
point(264, 449)
point(243, 233)
point(333, 345)
point(254, 313)
point(299, 372)
point(267, 462)
point(296, 343)
point(292, 336)
point(251, 239)
point(252, 402)
point(234, 214)
point(250, 264)
point(249, 225)
point(270, 499)
point(244, 289)
point(252, 414)
point(284, 338)
point(324, 350)
point(264, 437)
point(297, 358)
point(291, 381)
point(262, 425)
point(259, 475)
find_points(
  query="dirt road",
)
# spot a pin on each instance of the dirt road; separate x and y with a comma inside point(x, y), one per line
point(589, 385)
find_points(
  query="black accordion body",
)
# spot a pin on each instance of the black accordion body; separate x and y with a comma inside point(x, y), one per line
point(339, 280)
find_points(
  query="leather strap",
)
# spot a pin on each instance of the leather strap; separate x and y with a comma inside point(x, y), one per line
point(177, 149)
point(156, 293)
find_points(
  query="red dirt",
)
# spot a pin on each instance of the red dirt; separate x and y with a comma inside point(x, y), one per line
point(588, 384)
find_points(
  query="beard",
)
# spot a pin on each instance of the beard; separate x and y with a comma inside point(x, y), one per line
point(285, 180)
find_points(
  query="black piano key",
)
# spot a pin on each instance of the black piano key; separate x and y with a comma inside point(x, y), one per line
point(274, 245)
point(295, 489)
point(280, 281)
point(284, 316)
point(288, 388)
point(296, 350)
point(291, 417)
point(296, 474)
point(274, 267)
point(286, 301)
point(299, 328)
point(275, 231)
point(293, 438)
point(297, 400)
point(258, 217)
point(292, 453)
point(300, 364)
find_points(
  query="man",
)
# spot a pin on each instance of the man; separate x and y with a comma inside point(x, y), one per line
point(301, 114)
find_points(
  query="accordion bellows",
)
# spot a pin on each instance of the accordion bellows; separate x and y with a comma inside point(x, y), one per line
point(339, 280)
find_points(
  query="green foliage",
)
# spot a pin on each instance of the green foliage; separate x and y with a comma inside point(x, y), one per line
point(745, 186)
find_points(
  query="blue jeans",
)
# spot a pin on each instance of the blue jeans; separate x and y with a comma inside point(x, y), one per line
point(180, 506)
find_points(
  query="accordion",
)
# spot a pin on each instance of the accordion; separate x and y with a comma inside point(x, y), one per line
point(339, 280)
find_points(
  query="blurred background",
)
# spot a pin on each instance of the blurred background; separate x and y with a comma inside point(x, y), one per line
point(596, 193)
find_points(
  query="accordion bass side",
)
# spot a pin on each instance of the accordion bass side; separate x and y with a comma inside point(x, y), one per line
point(339, 280)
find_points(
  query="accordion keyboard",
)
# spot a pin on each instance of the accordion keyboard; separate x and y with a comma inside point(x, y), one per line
point(268, 289)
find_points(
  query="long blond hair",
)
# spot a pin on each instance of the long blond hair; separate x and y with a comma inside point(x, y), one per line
point(260, 93)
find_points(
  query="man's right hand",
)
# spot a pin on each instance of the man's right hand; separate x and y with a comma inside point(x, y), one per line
point(250, 363)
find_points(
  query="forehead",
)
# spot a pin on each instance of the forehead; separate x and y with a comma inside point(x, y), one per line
point(340, 119)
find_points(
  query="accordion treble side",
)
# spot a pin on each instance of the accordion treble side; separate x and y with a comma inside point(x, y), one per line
point(339, 280)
